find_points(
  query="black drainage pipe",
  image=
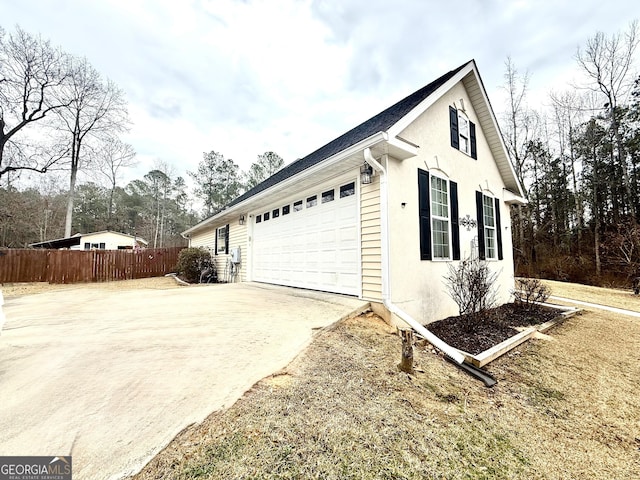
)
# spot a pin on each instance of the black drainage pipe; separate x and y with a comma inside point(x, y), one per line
point(476, 372)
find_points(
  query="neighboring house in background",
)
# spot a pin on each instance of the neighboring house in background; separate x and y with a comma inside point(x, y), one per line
point(382, 211)
point(104, 240)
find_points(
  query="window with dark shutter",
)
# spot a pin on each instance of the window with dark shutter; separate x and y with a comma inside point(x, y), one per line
point(472, 135)
point(226, 239)
point(499, 229)
point(480, 220)
point(455, 222)
point(463, 133)
point(425, 214)
point(453, 125)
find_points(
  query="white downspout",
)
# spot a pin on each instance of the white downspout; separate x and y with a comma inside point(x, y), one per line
point(451, 352)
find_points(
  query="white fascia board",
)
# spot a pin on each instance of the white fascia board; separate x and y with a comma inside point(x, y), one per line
point(495, 125)
point(401, 148)
point(511, 198)
point(327, 163)
point(422, 107)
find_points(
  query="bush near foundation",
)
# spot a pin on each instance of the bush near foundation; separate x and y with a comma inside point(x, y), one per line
point(529, 292)
point(192, 262)
point(472, 285)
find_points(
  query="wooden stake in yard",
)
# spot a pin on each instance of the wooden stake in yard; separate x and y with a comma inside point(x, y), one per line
point(406, 361)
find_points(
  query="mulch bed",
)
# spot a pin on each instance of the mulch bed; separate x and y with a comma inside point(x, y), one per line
point(474, 333)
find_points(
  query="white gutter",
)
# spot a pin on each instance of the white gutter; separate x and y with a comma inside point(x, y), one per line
point(451, 352)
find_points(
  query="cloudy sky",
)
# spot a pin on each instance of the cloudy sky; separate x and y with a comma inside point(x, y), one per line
point(245, 77)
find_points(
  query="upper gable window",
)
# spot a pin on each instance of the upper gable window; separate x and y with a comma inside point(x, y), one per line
point(463, 132)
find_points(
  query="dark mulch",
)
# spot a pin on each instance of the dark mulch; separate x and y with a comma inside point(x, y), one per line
point(474, 333)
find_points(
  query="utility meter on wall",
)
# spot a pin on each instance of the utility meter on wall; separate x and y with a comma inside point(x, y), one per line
point(235, 255)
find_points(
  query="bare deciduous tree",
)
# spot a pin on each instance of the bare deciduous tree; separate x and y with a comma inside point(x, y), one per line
point(112, 157)
point(93, 106)
point(31, 72)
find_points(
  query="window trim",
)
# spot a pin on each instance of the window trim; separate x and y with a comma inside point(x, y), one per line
point(312, 201)
point(347, 189)
point(224, 238)
point(455, 134)
point(482, 243)
point(328, 196)
point(467, 138)
point(425, 217)
point(447, 219)
point(492, 228)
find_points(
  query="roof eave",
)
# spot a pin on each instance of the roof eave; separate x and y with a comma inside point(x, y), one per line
point(327, 163)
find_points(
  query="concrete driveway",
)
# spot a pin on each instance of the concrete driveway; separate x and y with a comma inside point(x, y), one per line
point(110, 377)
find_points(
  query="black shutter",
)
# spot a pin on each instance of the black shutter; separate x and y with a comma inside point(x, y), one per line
point(455, 222)
point(215, 247)
point(226, 239)
point(453, 124)
point(498, 229)
point(480, 218)
point(425, 215)
point(472, 134)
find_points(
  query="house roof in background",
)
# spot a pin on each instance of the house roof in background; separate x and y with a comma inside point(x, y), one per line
point(74, 240)
point(58, 243)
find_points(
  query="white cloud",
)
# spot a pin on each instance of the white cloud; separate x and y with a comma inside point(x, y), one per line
point(243, 77)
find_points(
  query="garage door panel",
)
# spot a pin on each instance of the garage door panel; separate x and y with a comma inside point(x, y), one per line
point(315, 247)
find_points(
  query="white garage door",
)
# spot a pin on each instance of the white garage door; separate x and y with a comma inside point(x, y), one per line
point(311, 242)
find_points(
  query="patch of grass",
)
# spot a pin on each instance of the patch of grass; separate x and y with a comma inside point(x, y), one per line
point(342, 410)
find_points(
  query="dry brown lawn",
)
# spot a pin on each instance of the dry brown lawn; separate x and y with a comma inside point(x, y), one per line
point(564, 408)
point(611, 297)
point(30, 288)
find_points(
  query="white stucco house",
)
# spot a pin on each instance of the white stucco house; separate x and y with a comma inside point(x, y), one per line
point(381, 211)
point(103, 240)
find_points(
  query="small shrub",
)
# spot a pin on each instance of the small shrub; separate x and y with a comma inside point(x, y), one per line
point(529, 292)
point(472, 285)
point(192, 262)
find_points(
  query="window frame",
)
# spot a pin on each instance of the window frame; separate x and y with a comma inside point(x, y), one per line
point(348, 189)
point(489, 202)
point(464, 138)
point(221, 247)
point(438, 218)
point(328, 196)
point(312, 201)
point(458, 138)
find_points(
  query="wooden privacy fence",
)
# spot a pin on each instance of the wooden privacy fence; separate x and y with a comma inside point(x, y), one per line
point(72, 266)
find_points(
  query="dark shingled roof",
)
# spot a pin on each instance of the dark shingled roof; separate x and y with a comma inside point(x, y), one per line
point(379, 123)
